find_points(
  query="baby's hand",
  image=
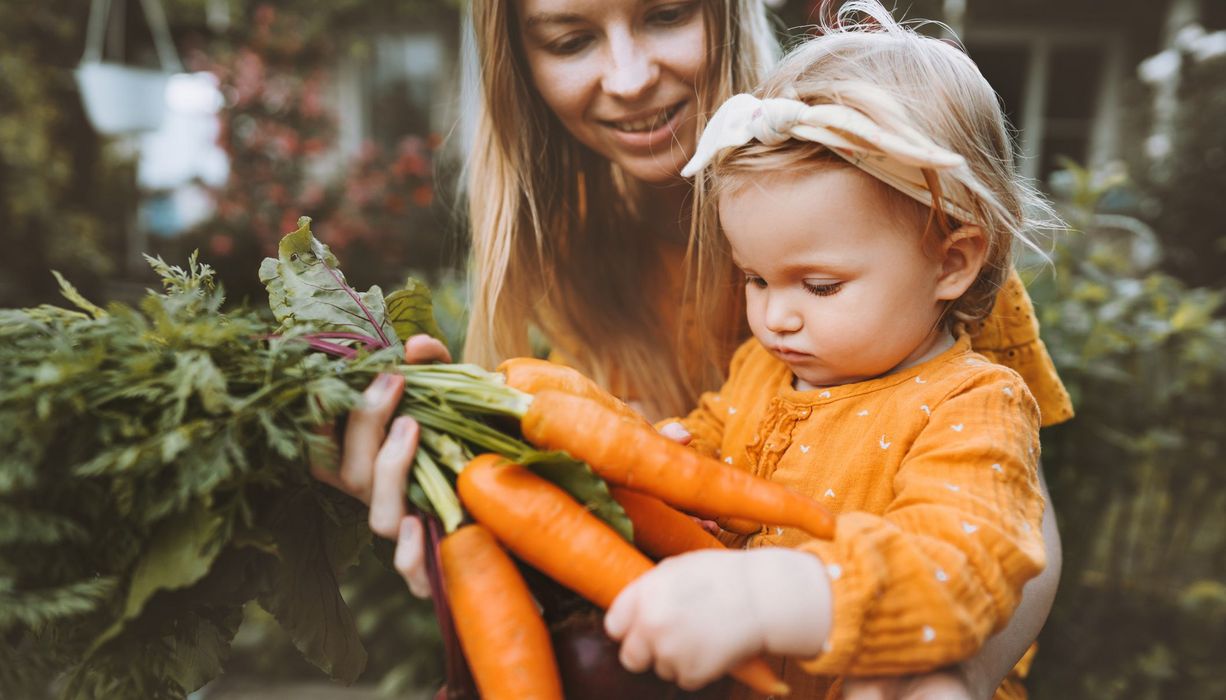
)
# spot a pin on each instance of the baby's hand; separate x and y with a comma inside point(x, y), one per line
point(694, 617)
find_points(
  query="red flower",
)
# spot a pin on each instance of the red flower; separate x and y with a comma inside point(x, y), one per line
point(221, 245)
point(423, 195)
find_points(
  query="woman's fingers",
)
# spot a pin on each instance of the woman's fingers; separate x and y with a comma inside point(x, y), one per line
point(410, 558)
point(364, 434)
point(323, 463)
point(423, 348)
point(391, 473)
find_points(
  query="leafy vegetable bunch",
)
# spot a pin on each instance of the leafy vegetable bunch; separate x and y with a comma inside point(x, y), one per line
point(154, 481)
point(154, 471)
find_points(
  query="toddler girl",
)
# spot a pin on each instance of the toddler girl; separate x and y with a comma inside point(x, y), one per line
point(867, 195)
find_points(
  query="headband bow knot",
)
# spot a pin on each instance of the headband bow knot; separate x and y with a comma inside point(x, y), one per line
point(898, 159)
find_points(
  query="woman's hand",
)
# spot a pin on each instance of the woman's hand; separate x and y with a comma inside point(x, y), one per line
point(375, 462)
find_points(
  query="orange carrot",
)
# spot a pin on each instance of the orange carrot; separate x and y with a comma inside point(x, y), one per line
point(659, 529)
point(632, 454)
point(503, 636)
point(532, 376)
point(549, 530)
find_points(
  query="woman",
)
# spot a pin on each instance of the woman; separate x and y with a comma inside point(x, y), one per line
point(580, 220)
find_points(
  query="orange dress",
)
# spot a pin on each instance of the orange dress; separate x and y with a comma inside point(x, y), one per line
point(932, 474)
point(1008, 336)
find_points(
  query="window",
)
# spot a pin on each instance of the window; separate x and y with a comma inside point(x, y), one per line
point(1059, 89)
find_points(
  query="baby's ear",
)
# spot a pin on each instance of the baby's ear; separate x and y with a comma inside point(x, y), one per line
point(962, 257)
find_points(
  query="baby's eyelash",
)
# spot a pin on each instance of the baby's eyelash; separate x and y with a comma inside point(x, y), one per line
point(823, 290)
point(755, 281)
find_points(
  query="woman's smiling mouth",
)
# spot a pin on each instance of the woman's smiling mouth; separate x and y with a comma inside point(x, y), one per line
point(648, 124)
point(647, 130)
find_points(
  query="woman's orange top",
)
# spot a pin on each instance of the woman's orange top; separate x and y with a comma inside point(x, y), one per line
point(1010, 336)
point(932, 474)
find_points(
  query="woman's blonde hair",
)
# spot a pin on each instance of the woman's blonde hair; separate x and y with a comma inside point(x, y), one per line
point(557, 242)
point(903, 80)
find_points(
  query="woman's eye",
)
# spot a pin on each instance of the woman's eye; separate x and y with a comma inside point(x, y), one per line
point(755, 281)
point(671, 14)
point(569, 45)
point(823, 289)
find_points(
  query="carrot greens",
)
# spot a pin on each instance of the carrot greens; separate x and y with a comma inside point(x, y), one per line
point(154, 471)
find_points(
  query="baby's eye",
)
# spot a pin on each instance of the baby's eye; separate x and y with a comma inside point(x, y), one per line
point(755, 281)
point(823, 289)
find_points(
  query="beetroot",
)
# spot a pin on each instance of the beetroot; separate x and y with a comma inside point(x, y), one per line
point(587, 660)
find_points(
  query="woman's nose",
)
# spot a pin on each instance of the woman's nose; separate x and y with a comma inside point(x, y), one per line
point(632, 69)
point(782, 316)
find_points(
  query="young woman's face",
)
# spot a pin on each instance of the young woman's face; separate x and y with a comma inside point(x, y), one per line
point(620, 76)
point(836, 285)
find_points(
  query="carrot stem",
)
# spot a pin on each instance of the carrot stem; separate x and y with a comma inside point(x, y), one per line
point(428, 475)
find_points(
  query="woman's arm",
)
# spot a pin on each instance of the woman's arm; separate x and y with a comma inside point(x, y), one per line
point(992, 664)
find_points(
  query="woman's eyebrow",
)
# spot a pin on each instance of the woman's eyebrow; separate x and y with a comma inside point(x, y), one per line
point(544, 18)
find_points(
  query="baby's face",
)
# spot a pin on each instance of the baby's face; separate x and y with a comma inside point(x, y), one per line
point(837, 285)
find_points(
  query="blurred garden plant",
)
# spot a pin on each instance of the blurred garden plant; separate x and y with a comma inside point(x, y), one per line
point(1138, 478)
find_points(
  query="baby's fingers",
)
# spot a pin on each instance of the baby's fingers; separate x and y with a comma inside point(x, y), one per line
point(677, 433)
point(635, 654)
point(621, 613)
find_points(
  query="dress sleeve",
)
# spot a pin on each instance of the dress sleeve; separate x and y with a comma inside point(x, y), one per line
point(1009, 336)
point(923, 585)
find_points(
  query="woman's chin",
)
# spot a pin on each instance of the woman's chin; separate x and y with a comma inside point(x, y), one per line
point(656, 169)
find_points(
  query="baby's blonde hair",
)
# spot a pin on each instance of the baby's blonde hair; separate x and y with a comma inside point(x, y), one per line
point(902, 80)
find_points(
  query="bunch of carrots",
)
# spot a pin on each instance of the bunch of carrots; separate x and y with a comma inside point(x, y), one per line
point(501, 632)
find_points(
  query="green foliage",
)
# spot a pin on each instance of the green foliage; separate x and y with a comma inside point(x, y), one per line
point(64, 199)
point(411, 311)
point(1138, 478)
point(154, 482)
point(305, 288)
point(153, 478)
point(1186, 189)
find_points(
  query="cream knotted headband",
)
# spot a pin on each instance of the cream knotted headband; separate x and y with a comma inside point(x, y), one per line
point(897, 159)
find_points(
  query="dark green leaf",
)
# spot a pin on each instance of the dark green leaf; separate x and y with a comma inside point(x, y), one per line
point(304, 595)
point(305, 288)
point(584, 485)
point(178, 556)
point(411, 311)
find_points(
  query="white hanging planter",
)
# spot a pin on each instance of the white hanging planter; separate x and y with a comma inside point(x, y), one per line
point(118, 98)
point(121, 99)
